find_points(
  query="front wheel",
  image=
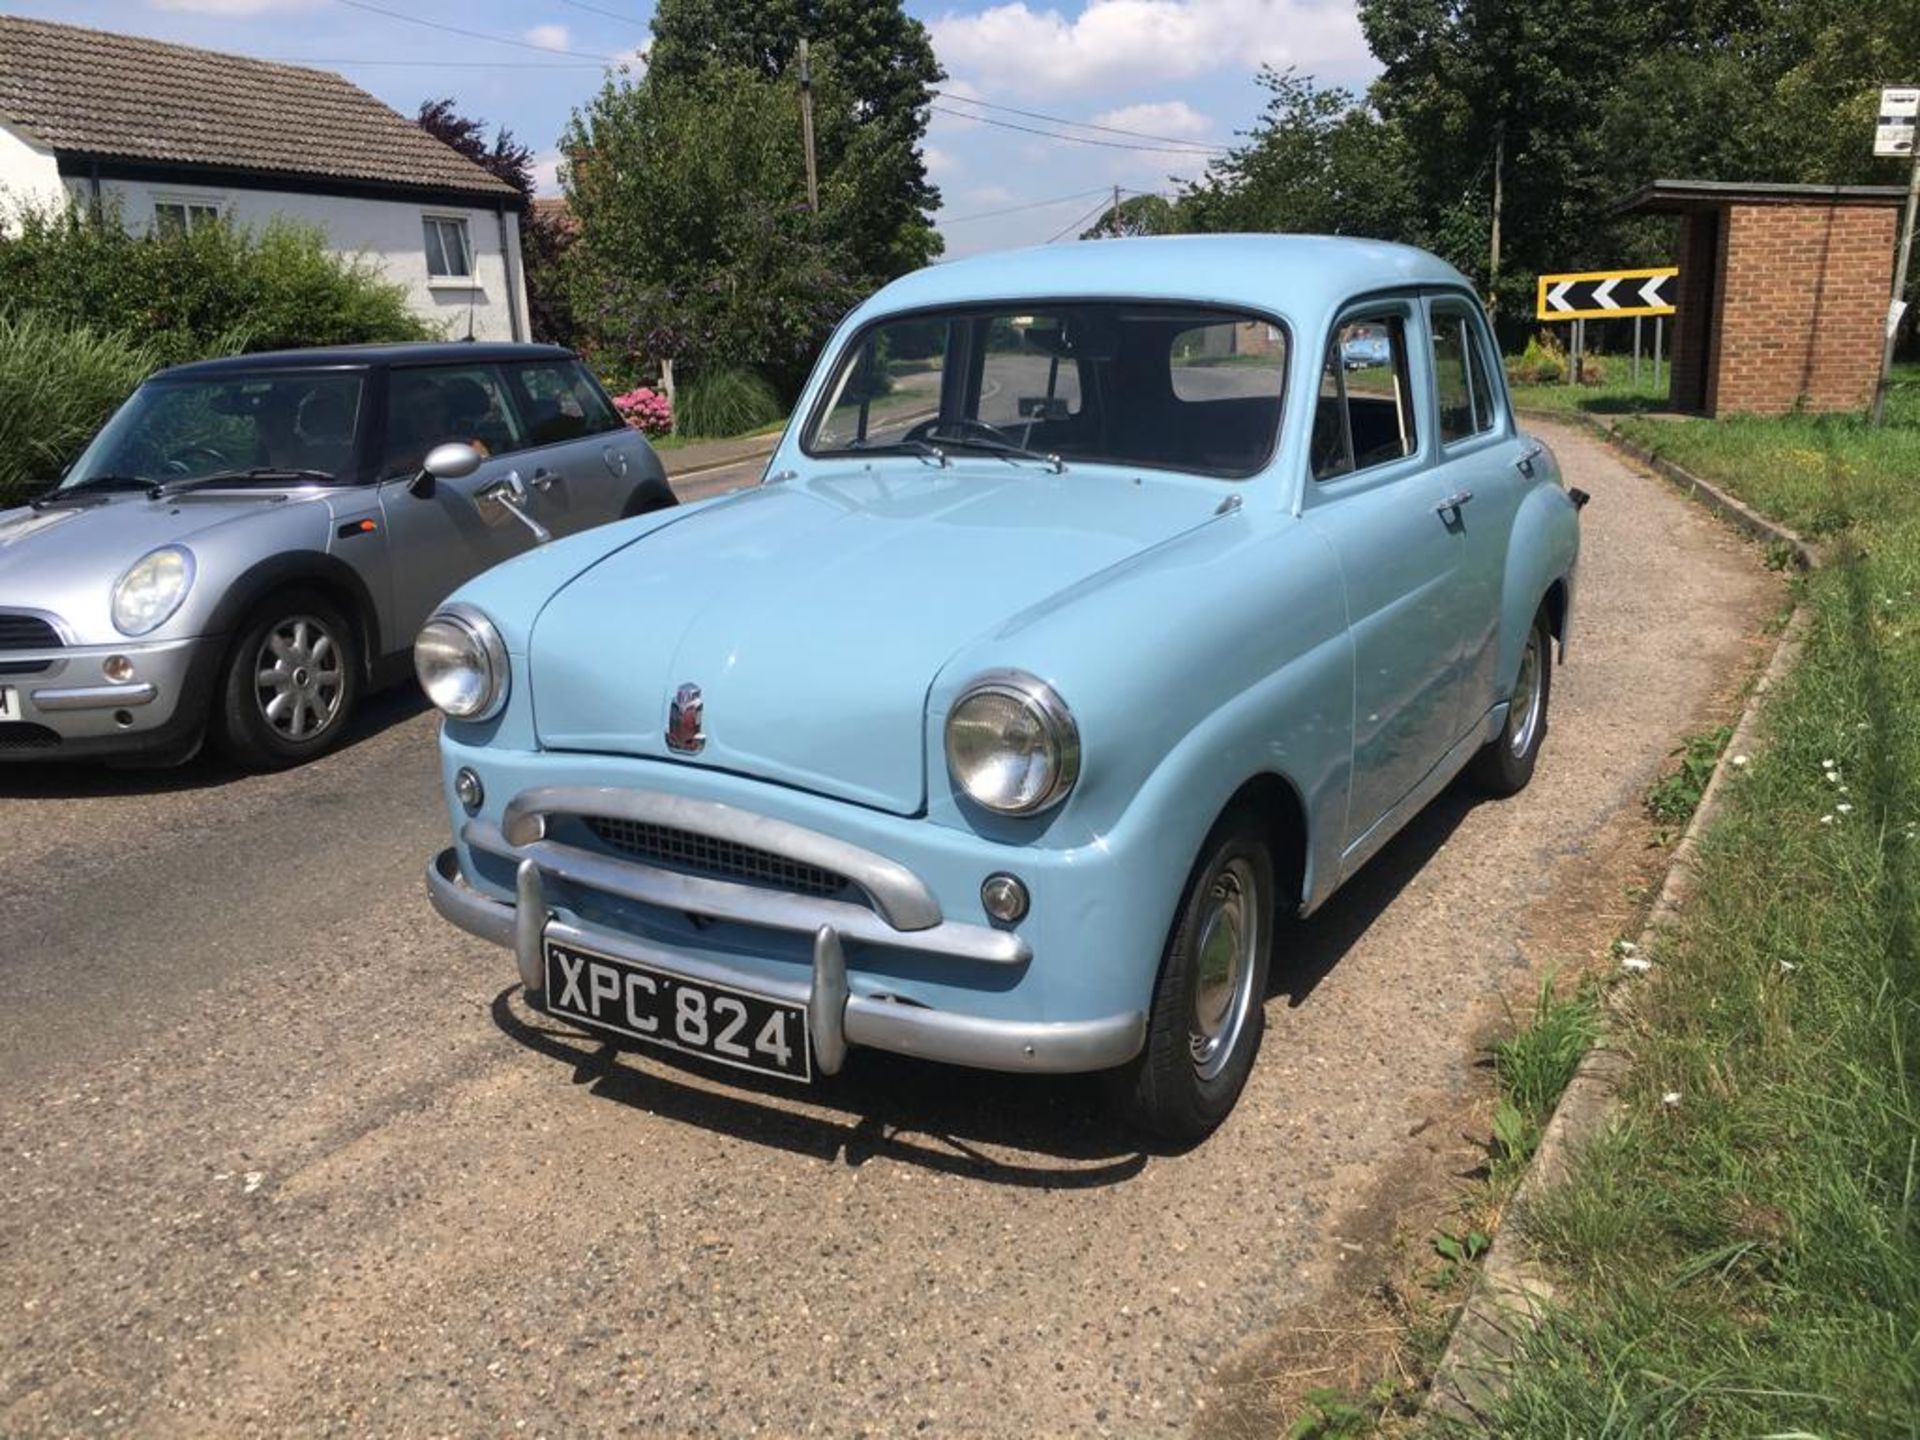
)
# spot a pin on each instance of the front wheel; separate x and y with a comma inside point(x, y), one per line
point(1208, 1005)
point(291, 683)
point(1505, 764)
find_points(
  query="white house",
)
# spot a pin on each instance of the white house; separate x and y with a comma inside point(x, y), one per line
point(170, 135)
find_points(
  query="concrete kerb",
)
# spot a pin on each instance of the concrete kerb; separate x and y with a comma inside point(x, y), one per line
point(1512, 1288)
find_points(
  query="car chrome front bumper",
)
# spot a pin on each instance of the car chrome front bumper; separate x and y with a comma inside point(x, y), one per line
point(837, 1018)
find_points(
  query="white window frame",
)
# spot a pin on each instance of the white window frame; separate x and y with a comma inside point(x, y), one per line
point(430, 219)
point(188, 206)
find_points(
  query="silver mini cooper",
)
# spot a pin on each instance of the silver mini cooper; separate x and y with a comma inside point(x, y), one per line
point(251, 544)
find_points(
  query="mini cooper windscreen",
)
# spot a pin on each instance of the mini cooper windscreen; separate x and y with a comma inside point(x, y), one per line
point(1107, 383)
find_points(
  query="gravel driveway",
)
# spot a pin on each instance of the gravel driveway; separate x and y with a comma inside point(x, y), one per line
point(280, 1151)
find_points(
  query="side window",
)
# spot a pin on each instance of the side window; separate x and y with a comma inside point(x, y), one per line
point(1486, 391)
point(559, 401)
point(1363, 415)
point(430, 405)
point(1452, 389)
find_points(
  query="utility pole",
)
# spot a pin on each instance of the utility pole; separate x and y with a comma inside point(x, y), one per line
point(1899, 289)
point(806, 129)
point(1493, 255)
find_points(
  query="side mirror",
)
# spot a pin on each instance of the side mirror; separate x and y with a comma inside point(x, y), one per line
point(454, 460)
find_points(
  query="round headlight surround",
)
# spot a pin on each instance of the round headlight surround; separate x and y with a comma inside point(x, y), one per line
point(462, 633)
point(1018, 791)
point(165, 593)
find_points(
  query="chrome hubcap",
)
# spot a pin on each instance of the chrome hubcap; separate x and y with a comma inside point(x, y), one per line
point(1523, 711)
point(298, 678)
point(1224, 951)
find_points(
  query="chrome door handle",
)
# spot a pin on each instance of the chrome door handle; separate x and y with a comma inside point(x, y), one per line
point(1525, 463)
point(543, 480)
point(1453, 502)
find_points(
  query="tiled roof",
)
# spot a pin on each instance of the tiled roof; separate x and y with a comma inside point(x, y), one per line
point(120, 96)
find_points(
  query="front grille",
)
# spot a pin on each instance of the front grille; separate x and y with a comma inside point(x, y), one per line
point(23, 735)
point(688, 850)
point(27, 632)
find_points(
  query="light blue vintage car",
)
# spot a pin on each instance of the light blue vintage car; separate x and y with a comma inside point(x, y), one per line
point(1093, 617)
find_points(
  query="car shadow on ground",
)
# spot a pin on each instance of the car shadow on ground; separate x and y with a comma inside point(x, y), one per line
point(208, 770)
point(1049, 1132)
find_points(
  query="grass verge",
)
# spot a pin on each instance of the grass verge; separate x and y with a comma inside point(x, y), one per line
point(1740, 1253)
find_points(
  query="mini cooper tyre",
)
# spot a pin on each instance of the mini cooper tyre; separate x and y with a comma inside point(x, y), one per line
point(1204, 1028)
point(1505, 764)
point(291, 682)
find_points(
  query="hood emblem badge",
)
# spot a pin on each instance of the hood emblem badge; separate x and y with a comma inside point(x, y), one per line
point(683, 721)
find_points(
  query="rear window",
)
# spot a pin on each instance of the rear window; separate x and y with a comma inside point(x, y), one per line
point(560, 401)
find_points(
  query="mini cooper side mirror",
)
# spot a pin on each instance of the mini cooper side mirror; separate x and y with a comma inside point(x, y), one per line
point(454, 460)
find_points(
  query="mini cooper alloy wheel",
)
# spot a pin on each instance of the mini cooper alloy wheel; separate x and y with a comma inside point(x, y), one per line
point(300, 678)
point(1225, 951)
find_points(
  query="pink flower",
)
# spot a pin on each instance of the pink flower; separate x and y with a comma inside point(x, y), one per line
point(646, 410)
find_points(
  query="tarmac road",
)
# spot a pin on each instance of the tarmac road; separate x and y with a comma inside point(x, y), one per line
point(280, 1153)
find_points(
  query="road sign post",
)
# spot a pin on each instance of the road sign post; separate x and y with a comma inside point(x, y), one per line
point(1609, 295)
point(1894, 135)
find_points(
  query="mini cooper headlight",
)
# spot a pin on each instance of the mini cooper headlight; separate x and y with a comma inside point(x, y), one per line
point(1012, 744)
point(153, 588)
point(462, 663)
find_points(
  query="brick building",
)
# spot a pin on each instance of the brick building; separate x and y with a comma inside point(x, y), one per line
point(1783, 292)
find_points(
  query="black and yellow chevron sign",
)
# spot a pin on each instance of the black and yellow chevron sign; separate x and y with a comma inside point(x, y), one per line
point(1608, 294)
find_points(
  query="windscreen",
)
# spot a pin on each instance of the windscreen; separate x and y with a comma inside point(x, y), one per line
point(191, 429)
point(1103, 382)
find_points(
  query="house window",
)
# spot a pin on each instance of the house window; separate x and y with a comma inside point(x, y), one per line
point(176, 217)
point(448, 256)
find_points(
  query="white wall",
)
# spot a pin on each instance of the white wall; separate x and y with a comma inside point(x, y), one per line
point(387, 233)
point(29, 175)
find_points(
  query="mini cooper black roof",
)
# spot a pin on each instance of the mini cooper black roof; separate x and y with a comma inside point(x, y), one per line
point(355, 357)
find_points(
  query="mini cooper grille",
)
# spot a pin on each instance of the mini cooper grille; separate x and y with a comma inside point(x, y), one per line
point(21, 735)
point(27, 632)
point(723, 858)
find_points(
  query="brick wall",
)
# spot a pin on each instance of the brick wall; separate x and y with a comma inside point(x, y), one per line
point(1803, 307)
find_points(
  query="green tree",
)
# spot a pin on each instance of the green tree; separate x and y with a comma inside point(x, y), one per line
point(1136, 215)
point(694, 241)
point(886, 71)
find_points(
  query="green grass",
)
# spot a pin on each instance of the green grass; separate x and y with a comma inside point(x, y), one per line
point(1740, 1254)
point(1618, 396)
point(1676, 794)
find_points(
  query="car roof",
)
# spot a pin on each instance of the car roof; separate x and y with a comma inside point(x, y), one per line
point(326, 357)
point(1266, 271)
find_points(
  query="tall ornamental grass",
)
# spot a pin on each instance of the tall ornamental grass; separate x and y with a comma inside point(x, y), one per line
point(58, 384)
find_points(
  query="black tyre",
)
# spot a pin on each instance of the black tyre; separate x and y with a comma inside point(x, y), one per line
point(290, 684)
point(1505, 764)
point(1209, 1002)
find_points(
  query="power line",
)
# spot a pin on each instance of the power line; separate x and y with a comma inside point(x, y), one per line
point(610, 14)
point(1056, 135)
point(1080, 124)
point(1035, 205)
point(475, 34)
point(1099, 209)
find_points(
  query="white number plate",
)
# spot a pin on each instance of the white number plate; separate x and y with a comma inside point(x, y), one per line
point(713, 1021)
point(9, 703)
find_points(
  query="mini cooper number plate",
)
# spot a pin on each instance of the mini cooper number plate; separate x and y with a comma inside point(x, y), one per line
point(9, 703)
point(715, 1022)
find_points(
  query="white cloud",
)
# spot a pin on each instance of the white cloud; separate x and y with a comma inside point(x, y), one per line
point(546, 172)
point(547, 37)
point(940, 163)
point(1115, 42)
point(1174, 119)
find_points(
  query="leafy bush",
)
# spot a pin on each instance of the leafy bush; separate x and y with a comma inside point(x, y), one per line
point(1543, 362)
point(215, 289)
point(727, 402)
point(58, 384)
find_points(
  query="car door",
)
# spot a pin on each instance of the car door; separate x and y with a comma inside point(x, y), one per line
point(1479, 455)
point(1382, 505)
point(580, 455)
point(441, 535)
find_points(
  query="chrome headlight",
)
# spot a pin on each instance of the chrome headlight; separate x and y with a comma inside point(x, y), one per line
point(462, 663)
point(153, 588)
point(1012, 744)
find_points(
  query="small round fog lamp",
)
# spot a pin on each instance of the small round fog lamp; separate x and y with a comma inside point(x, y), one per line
point(1005, 898)
point(117, 668)
point(467, 786)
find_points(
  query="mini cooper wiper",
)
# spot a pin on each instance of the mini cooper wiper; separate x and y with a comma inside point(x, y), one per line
point(263, 474)
point(89, 490)
point(912, 447)
point(1004, 448)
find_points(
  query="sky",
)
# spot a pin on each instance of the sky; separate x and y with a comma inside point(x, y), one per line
point(1161, 84)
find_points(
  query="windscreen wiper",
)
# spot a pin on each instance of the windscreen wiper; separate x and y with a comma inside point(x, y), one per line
point(1004, 448)
point(89, 490)
point(912, 447)
point(262, 474)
